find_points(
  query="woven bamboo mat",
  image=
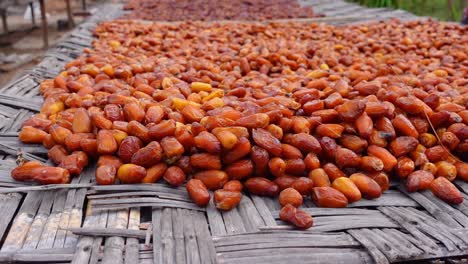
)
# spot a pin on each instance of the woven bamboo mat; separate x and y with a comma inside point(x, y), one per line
point(84, 223)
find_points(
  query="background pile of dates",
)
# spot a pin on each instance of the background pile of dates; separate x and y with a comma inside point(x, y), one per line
point(294, 110)
point(207, 10)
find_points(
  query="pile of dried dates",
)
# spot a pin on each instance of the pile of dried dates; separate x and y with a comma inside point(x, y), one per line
point(208, 10)
point(294, 110)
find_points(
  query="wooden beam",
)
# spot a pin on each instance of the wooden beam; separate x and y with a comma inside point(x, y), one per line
point(45, 30)
point(33, 18)
point(71, 23)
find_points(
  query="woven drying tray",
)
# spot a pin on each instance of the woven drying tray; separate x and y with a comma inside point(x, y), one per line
point(84, 223)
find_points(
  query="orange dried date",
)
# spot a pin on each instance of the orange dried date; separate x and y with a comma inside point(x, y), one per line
point(445, 190)
point(436, 153)
point(113, 112)
point(137, 129)
point(368, 187)
point(277, 166)
point(128, 147)
point(106, 143)
point(233, 185)
point(31, 135)
point(319, 177)
point(206, 161)
point(208, 142)
point(133, 111)
point(460, 130)
point(403, 125)
point(351, 110)
point(429, 167)
point(198, 192)
point(290, 196)
point(348, 188)
point(240, 169)
point(446, 169)
point(213, 179)
point(311, 161)
point(410, 104)
point(261, 186)
point(267, 141)
point(304, 142)
point(59, 134)
point(254, 121)
point(154, 114)
point(364, 125)
point(285, 181)
point(226, 200)
point(329, 147)
point(333, 171)
point(419, 180)
point(228, 139)
point(89, 146)
point(35, 171)
point(403, 145)
point(240, 150)
point(100, 121)
point(119, 135)
point(449, 140)
point(149, 155)
point(155, 173)
point(131, 173)
point(329, 197)
point(427, 140)
point(462, 170)
point(354, 143)
point(38, 122)
point(172, 147)
point(109, 160)
point(290, 152)
point(105, 175)
point(330, 130)
point(378, 138)
point(174, 175)
point(74, 162)
point(404, 167)
point(81, 121)
point(236, 130)
point(296, 217)
point(346, 158)
point(73, 141)
point(192, 113)
point(57, 153)
point(303, 185)
point(120, 125)
point(295, 166)
point(48, 141)
point(384, 124)
point(371, 164)
point(163, 129)
point(381, 178)
point(384, 155)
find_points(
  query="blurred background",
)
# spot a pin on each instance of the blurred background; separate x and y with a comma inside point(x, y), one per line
point(446, 10)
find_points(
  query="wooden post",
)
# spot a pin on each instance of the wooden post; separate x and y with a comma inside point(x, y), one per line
point(33, 18)
point(83, 4)
point(4, 21)
point(71, 23)
point(45, 30)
